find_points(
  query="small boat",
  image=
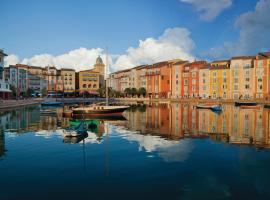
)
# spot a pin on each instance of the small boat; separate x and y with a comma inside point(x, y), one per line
point(76, 131)
point(51, 103)
point(245, 103)
point(99, 110)
point(250, 107)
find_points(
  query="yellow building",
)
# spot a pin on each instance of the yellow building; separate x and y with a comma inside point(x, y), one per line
point(219, 87)
point(87, 81)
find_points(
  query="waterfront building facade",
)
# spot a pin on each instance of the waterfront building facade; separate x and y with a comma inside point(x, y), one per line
point(190, 79)
point(262, 75)
point(66, 80)
point(242, 77)
point(4, 86)
point(177, 69)
point(219, 84)
point(87, 81)
point(204, 81)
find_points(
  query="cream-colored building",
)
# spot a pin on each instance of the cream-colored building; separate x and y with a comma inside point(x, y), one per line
point(66, 80)
point(176, 82)
point(242, 77)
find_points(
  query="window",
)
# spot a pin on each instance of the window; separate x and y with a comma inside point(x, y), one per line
point(168, 81)
point(176, 82)
point(247, 79)
point(247, 86)
point(94, 86)
point(185, 82)
point(84, 85)
point(235, 87)
point(89, 86)
point(204, 81)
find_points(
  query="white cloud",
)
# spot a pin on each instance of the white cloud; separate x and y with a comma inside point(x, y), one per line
point(11, 60)
point(254, 28)
point(209, 9)
point(78, 59)
point(254, 31)
point(173, 43)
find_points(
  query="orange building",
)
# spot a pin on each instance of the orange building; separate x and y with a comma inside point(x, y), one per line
point(158, 79)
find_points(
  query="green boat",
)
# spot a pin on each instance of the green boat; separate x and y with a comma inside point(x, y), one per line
point(91, 125)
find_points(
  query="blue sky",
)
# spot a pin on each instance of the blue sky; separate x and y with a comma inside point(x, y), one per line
point(55, 27)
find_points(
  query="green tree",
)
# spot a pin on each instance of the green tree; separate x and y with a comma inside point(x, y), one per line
point(142, 91)
point(133, 92)
point(128, 91)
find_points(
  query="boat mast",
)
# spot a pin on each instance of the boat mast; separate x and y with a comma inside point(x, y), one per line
point(106, 79)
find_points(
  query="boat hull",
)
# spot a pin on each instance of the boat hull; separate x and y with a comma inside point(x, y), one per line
point(99, 112)
point(245, 104)
point(51, 104)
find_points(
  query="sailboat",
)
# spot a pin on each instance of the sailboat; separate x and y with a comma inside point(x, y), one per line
point(98, 110)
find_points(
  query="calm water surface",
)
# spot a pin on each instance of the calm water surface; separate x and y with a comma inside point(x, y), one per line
point(159, 152)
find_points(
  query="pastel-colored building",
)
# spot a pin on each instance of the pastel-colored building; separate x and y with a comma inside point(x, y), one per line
point(87, 81)
point(242, 77)
point(204, 81)
point(219, 84)
point(177, 69)
point(159, 80)
point(190, 79)
point(66, 80)
point(262, 75)
point(4, 86)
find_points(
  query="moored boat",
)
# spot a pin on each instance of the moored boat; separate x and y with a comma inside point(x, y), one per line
point(245, 103)
point(98, 110)
point(51, 103)
point(75, 131)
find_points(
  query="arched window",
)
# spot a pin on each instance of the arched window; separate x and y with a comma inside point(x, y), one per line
point(84, 85)
point(94, 86)
point(89, 86)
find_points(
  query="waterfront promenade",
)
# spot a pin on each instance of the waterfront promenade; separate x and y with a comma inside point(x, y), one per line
point(7, 104)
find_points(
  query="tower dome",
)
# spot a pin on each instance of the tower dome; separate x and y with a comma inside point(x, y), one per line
point(99, 60)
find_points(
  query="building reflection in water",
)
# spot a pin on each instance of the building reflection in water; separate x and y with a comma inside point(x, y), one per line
point(168, 121)
point(175, 121)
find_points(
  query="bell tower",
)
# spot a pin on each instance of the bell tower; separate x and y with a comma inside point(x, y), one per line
point(99, 66)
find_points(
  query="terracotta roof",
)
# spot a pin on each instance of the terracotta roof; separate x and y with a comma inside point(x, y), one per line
point(180, 62)
point(219, 67)
point(206, 66)
point(264, 54)
point(67, 69)
point(242, 57)
point(217, 61)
